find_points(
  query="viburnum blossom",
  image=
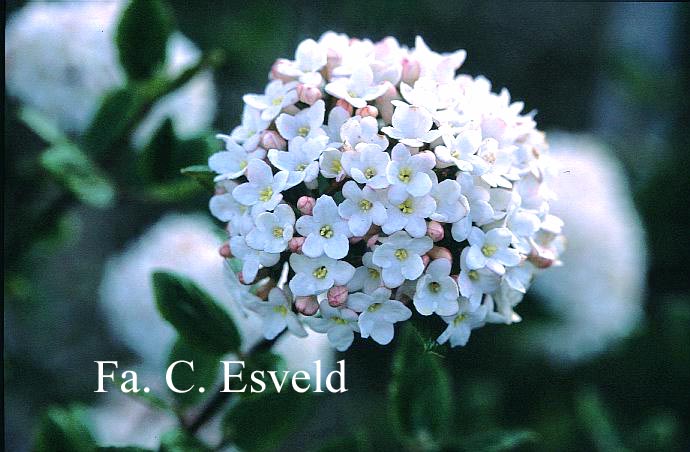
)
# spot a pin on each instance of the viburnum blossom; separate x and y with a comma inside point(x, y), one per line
point(378, 183)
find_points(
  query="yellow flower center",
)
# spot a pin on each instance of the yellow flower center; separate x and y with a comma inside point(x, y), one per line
point(326, 231)
point(489, 157)
point(434, 287)
point(300, 167)
point(339, 321)
point(401, 254)
point(265, 194)
point(365, 204)
point(277, 100)
point(374, 307)
point(277, 232)
point(369, 173)
point(406, 206)
point(489, 250)
point(336, 166)
point(473, 275)
point(374, 274)
point(303, 131)
point(459, 319)
point(404, 175)
point(282, 310)
point(243, 164)
point(320, 272)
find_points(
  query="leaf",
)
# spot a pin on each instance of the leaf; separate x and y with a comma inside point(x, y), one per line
point(41, 125)
point(493, 441)
point(180, 441)
point(64, 429)
point(198, 319)
point(420, 394)
point(206, 370)
point(123, 449)
point(596, 419)
point(142, 37)
point(200, 173)
point(261, 422)
point(78, 174)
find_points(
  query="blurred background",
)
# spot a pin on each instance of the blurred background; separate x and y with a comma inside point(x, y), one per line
point(601, 360)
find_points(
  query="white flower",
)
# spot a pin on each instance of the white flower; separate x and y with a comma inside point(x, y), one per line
point(232, 163)
point(409, 215)
point(331, 164)
point(367, 278)
point(358, 88)
point(249, 132)
point(429, 94)
point(252, 259)
point(276, 314)
point(436, 291)
point(411, 125)
point(324, 230)
point(306, 123)
point(367, 165)
point(273, 230)
point(300, 160)
point(378, 314)
point(339, 324)
point(358, 130)
point(460, 325)
point(226, 208)
point(491, 250)
point(317, 275)
point(277, 96)
point(451, 205)
point(409, 175)
point(474, 284)
point(336, 118)
point(262, 190)
point(480, 212)
point(310, 57)
point(361, 208)
point(494, 164)
point(461, 150)
point(400, 258)
point(440, 67)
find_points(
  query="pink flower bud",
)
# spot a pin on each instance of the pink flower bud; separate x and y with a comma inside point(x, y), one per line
point(439, 252)
point(542, 257)
point(308, 93)
point(225, 251)
point(272, 140)
point(306, 305)
point(277, 72)
point(425, 260)
point(337, 296)
point(342, 103)
point(384, 103)
point(305, 204)
point(371, 242)
point(295, 244)
point(410, 70)
point(369, 110)
point(434, 229)
point(354, 240)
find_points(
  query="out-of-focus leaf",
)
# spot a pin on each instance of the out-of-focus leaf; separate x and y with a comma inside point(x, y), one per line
point(206, 370)
point(142, 37)
point(493, 441)
point(78, 174)
point(199, 320)
point(597, 421)
point(180, 441)
point(41, 125)
point(64, 429)
point(260, 422)
point(123, 449)
point(420, 394)
point(172, 191)
point(200, 173)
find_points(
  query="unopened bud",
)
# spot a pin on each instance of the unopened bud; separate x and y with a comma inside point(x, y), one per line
point(277, 72)
point(410, 70)
point(434, 229)
point(305, 204)
point(355, 240)
point(542, 257)
point(308, 93)
point(369, 110)
point(225, 251)
point(384, 104)
point(371, 242)
point(425, 260)
point(337, 296)
point(295, 244)
point(439, 252)
point(342, 103)
point(272, 140)
point(306, 305)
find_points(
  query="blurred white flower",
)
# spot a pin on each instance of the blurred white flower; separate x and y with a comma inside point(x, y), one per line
point(598, 292)
point(60, 58)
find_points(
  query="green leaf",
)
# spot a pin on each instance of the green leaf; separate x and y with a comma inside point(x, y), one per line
point(41, 125)
point(64, 429)
point(123, 449)
point(180, 441)
point(142, 37)
point(78, 174)
point(596, 419)
point(199, 320)
point(200, 173)
point(420, 394)
point(493, 441)
point(260, 422)
point(206, 370)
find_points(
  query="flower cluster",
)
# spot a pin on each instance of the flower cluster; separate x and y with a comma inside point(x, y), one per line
point(375, 181)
